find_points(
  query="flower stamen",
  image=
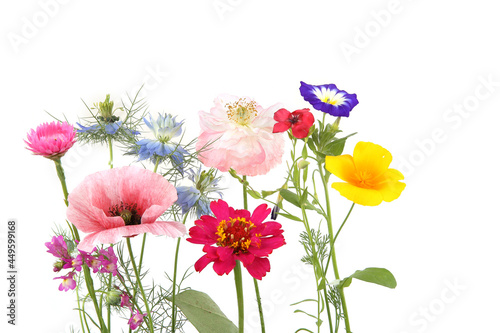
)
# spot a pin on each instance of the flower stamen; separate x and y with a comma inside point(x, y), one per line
point(241, 112)
point(235, 233)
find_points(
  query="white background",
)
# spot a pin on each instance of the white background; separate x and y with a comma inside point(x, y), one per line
point(413, 65)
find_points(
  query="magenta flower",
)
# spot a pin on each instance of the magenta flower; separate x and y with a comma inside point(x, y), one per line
point(91, 261)
point(237, 235)
point(238, 134)
point(136, 320)
point(75, 263)
point(51, 140)
point(109, 261)
point(58, 247)
point(122, 202)
point(67, 282)
point(125, 300)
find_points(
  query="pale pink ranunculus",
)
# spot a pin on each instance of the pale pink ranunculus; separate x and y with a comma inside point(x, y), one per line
point(51, 140)
point(122, 202)
point(238, 133)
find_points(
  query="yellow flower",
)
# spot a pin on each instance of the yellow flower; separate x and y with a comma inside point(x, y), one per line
point(369, 179)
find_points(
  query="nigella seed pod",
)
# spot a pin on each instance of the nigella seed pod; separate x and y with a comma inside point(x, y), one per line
point(113, 297)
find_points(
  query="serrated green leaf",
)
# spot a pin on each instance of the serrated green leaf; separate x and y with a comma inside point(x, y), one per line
point(290, 197)
point(203, 313)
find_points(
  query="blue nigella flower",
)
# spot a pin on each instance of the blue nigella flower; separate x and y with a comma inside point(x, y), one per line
point(109, 128)
point(199, 196)
point(329, 99)
point(164, 128)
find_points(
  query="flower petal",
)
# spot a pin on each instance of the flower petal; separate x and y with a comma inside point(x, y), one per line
point(371, 158)
point(341, 166)
point(111, 236)
point(259, 267)
point(362, 196)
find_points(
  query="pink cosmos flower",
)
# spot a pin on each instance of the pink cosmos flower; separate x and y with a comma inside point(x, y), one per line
point(237, 235)
point(67, 282)
point(238, 134)
point(122, 202)
point(136, 320)
point(51, 140)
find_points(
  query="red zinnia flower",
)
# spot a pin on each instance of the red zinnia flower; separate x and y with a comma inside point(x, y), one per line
point(237, 235)
point(300, 121)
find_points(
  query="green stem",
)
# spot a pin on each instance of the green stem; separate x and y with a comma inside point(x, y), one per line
point(332, 245)
point(139, 283)
point(88, 278)
point(239, 294)
point(174, 309)
point(342, 225)
point(255, 283)
point(110, 144)
point(110, 282)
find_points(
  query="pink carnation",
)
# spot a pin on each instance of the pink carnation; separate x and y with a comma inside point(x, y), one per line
point(238, 134)
point(51, 140)
point(122, 202)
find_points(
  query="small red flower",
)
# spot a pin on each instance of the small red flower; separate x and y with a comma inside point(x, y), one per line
point(237, 235)
point(300, 121)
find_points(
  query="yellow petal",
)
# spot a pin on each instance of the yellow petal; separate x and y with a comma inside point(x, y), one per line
point(341, 166)
point(371, 158)
point(359, 195)
point(391, 188)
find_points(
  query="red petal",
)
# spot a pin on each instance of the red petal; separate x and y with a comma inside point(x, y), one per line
point(281, 115)
point(281, 127)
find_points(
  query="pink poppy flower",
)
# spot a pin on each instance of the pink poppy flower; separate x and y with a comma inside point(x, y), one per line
point(237, 235)
point(51, 140)
point(122, 202)
point(238, 134)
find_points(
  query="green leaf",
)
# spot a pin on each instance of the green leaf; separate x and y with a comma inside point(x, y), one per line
point(254, 194)
point(268, 193)
point(291, 217)
point(290, 197)
point(304, 152)
point(380, 276)
point(203, 313)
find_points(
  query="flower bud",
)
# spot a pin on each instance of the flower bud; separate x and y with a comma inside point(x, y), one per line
point(303, 164)
point(58, 265)
point(113, 297)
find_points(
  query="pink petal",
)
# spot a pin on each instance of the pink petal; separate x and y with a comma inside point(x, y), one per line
point(111, 236)
point(259, 267)
point(260, 213)
point(224, 267)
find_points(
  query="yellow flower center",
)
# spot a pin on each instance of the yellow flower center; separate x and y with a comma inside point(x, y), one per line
point(364, 179)
point(333, 100)
point(235, 233)
point(241, 112)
